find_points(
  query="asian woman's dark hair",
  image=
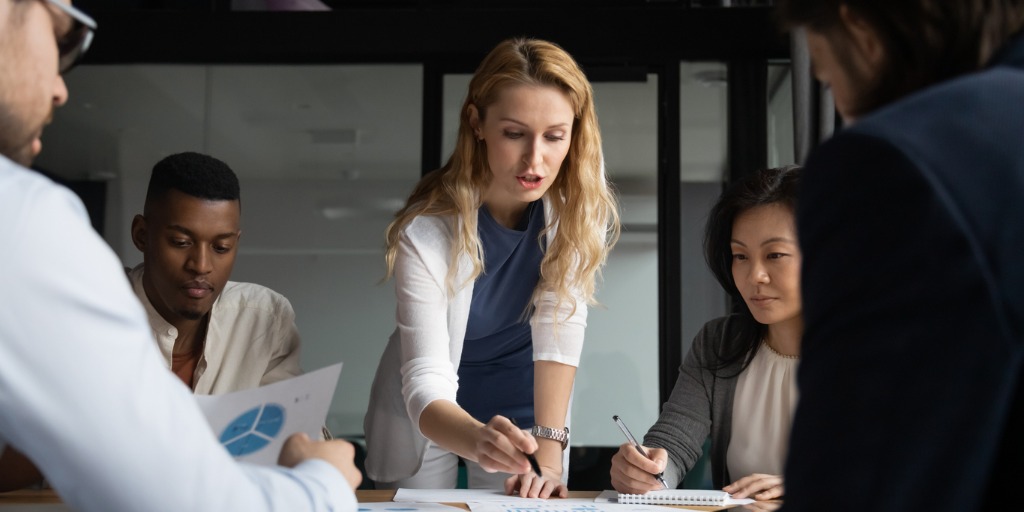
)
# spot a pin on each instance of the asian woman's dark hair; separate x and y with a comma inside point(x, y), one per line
point(777, 185)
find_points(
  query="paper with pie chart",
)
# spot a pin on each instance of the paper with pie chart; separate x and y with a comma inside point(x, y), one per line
point(253, 424)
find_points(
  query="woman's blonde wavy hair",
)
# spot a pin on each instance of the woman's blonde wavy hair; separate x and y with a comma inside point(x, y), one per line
point(584, 208)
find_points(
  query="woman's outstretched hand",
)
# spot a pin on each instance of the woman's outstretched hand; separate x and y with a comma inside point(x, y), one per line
point(502, 446)
point(530, 485)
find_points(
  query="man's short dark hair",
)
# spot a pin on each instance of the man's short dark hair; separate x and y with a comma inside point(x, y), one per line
point(195, 174)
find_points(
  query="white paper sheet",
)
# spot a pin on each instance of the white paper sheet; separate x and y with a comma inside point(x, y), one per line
point(565, 505)
point(254, 423)
point(454, 495)
point(34, 507)
point(488, 500)
point(390, 506)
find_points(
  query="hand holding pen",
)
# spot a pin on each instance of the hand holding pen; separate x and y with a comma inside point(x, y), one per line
point(529, 456)
point(631, 473)
point(535, 484)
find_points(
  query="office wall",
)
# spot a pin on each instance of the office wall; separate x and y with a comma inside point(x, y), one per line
point(326, 154)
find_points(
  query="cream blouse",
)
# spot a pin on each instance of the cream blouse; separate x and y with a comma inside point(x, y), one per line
point(762, 414)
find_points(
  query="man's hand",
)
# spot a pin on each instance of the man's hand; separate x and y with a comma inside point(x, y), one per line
point(340, 454)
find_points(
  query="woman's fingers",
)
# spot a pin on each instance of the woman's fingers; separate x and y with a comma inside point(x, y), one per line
point(530, 485)
point(758, 486)
point(628, 477)
point(501, 447)
point(772, 493)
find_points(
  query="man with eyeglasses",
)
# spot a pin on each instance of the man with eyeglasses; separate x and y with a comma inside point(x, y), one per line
point(83, 391)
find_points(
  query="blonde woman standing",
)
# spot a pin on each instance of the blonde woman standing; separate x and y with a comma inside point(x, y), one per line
point(495, 258)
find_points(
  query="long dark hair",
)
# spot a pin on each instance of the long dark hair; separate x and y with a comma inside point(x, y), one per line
point(925, 41)
point(777, 185)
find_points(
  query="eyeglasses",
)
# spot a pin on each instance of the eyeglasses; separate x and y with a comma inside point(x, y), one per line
point(75, 41)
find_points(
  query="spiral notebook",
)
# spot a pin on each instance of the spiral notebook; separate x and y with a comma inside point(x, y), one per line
point(676, 497)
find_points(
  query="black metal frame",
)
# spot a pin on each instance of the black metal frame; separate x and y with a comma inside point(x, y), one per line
point(748, 116)
point(597, 35)
point(670, 279)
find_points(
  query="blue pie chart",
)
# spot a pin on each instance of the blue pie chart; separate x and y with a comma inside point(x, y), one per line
point(252, 430)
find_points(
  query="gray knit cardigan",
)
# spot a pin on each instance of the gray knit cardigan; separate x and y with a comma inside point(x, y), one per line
point(701, 404)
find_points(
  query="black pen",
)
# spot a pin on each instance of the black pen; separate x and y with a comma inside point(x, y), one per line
point(529, 456)
point(629, 436)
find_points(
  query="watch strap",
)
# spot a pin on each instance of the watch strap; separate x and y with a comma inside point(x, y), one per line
point(560, 435)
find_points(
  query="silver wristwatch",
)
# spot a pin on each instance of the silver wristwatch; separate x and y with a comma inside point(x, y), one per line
point(562, 436)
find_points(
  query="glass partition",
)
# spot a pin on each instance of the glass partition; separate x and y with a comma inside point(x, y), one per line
point(622, 335)
point(780, 114)
point(703, 122)
point(325, 156)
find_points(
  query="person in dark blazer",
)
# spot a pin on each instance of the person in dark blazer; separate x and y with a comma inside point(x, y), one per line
point(911, 224)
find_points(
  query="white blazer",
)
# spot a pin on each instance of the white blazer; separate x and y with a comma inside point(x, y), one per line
point(421, 360)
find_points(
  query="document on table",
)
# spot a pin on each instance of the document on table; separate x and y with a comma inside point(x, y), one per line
point(34, 507)
point(453, 495)
point(495, 500)
point(254, 423)
point(564, 505)
point(390, 506)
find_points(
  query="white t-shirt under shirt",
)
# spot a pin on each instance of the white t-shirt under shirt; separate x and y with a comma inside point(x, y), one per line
point(251, 341)
point(762, 414)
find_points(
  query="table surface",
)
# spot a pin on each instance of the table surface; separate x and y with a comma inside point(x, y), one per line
point(372, 496)
point(365, 496)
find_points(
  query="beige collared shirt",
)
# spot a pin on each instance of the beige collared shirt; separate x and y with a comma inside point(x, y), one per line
point(251, 341)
